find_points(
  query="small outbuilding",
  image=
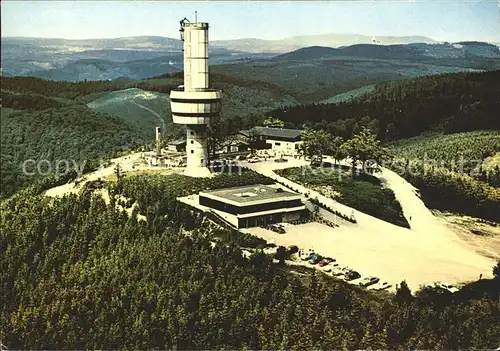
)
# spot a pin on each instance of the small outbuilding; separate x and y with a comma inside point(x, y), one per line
point(177, 145)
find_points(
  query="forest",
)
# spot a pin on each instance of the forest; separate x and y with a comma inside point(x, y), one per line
point(73, 133)
point(67, 90)
point(448, 103)
point(79, 274)
point(440, 107)
point(451, 171)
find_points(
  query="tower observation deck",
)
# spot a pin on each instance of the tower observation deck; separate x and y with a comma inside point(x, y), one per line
point(194, 104)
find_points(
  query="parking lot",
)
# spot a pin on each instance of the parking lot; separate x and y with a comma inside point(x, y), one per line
point(392, 257)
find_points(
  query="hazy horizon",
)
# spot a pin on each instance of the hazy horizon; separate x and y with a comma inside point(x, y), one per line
point(171, 37)
point(82, 20)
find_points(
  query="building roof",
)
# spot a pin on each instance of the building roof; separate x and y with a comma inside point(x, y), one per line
point(177, 142)
point(279, 133)
point(234, 142)
point(250, 194)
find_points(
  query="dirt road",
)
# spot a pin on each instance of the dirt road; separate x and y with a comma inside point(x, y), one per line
point(128, 163)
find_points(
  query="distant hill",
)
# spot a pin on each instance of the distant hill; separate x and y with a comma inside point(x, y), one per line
point(331, 40)
point(95, 59)
point(415, 51)
point(318, 73)
point(314, 80)
point(390, 52)
point(147, 56)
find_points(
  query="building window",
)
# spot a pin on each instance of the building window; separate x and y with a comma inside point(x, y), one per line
point(192, 132)
point(192, 141)
point(192, 151)
point(277, 144)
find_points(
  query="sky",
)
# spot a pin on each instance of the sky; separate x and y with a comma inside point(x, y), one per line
point(441, 20)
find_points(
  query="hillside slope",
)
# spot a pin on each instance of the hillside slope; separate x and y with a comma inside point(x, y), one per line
point(451, 171)
point(400, 109)
point(74, 134)
point(316, 80)
point(350, 95)
point(330, 39)
point(413, 51)
point(48, 122)
point(142, 110)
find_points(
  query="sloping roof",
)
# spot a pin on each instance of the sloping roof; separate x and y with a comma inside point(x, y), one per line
point(281, 133)
point(231, 142)
point(177, 142)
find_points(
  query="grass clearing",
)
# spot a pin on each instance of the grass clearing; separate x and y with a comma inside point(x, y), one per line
point(364, 193)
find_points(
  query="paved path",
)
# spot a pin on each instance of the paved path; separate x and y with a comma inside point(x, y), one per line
point(363, 220)
point(128, 163)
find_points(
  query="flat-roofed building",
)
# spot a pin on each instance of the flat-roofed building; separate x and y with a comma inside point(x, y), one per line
point(254, 205)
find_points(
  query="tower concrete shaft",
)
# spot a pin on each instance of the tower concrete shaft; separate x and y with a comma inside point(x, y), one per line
point(195, 104)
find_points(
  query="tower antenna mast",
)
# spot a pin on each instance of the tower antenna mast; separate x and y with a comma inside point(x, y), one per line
point(196, 16)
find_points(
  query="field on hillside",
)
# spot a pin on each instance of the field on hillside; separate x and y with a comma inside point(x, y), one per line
point(240, 96)
point(142, 109)
point(364, 193)
point(350, 95)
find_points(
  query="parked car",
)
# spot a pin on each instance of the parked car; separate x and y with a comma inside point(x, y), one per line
point(338, 271)
point(280, 160)
point(293, 249)
point(330, 267)
point(381, 286)
point(315, 259)
point(369, 281)
point(277, 228)
point(446, 286)
point(351, 275)
point(254, 160)
point(326, 261)
point(323, 263)
point(308, 256)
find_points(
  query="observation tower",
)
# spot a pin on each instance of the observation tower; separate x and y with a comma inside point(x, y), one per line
point(194, 104)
